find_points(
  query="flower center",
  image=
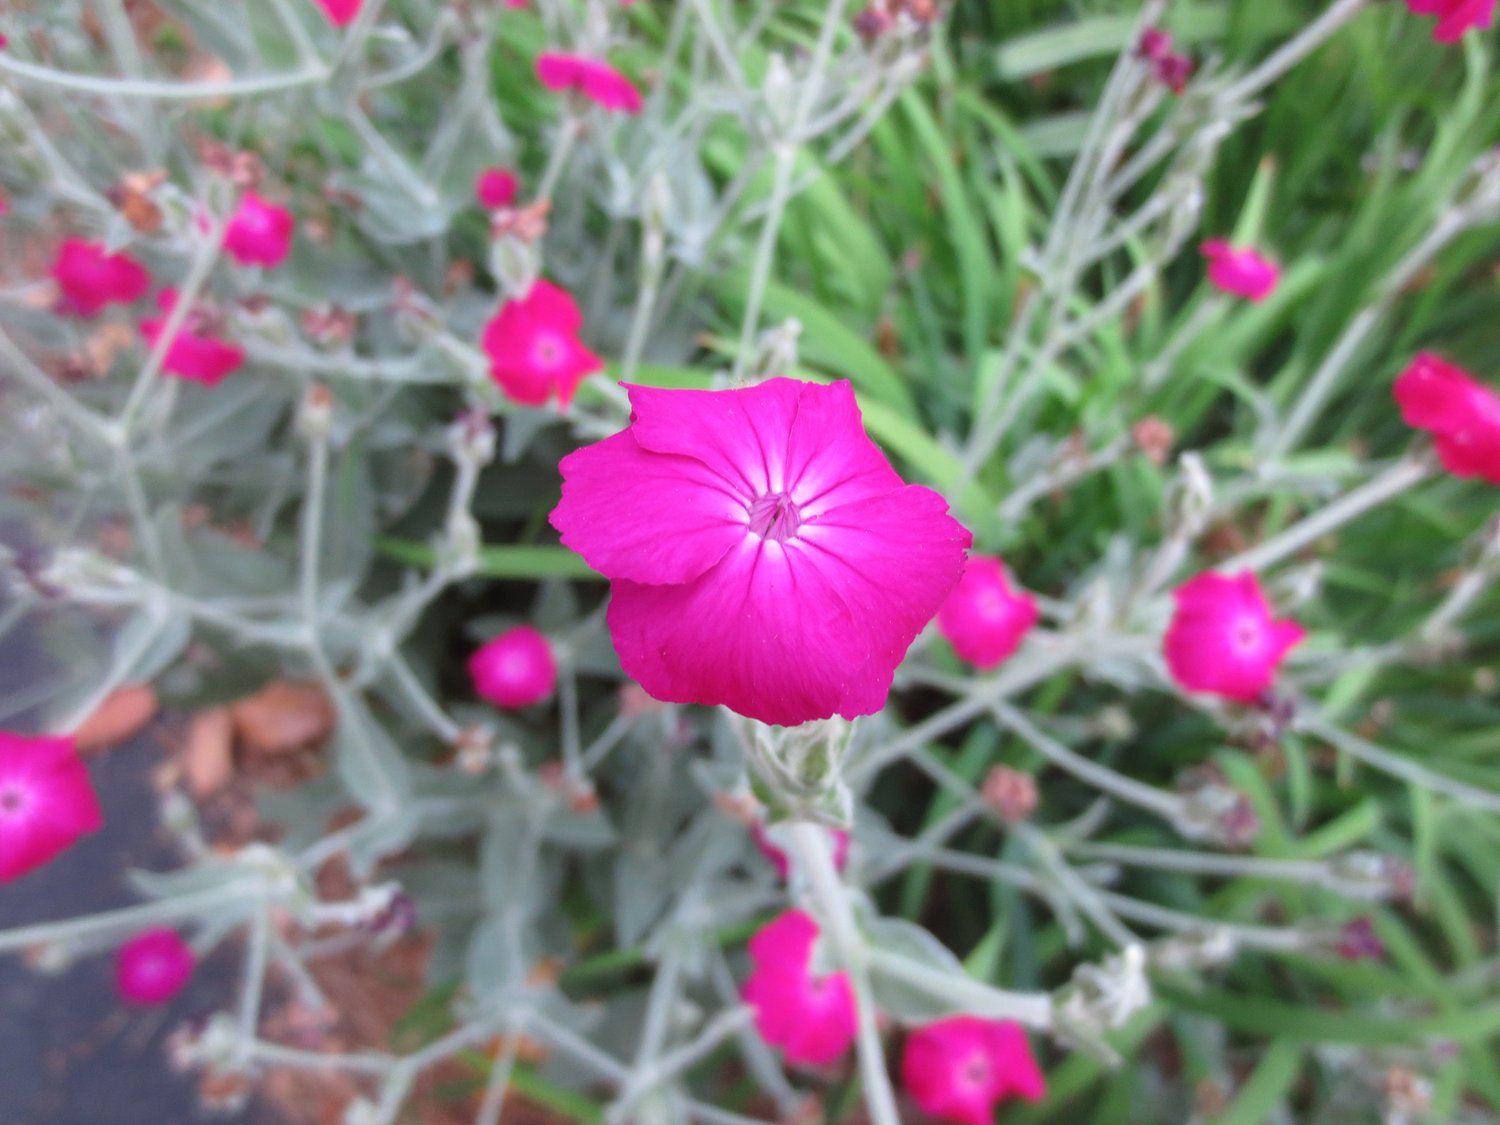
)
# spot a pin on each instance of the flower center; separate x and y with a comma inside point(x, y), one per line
point(775, 517)
point(12, 801)
point(1247, 634)
point(546, 350)
point(975, 1071)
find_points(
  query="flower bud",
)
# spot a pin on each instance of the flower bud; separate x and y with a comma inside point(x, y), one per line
point(1190, 499)
point(514, 263)
point(1101, 998)
point(780, 91)
point(315, 417)
point(1220, 814)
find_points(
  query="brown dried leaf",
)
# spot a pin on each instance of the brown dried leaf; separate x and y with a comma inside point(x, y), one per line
point(207, 757)
point(284, 716)
point(120, 717)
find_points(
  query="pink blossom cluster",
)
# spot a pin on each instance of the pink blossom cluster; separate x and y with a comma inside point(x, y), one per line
point(90, 277)
point(956, 1070)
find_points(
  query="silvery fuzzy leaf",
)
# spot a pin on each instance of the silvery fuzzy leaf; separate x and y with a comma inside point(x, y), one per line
point(388, 212)
point(213, 425)
point(900, 998)
point(227, 567)
point(501, 953)
point(393, 831)
point(585, 831)
point(642, 890)
point(349, 523)
point(369, 764)
point(466, 144)
point(222, 30)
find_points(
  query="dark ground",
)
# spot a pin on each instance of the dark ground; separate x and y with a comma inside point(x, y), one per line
point(70, 1052)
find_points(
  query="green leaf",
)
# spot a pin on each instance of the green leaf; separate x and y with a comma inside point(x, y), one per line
point(1266, 1087)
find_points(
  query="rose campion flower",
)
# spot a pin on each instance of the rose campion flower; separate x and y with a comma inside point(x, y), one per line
point(260, 233)
point(762, 552)
point(1240, 271)
point(1461, 414)
point(1222, 639)
point(778, 857)
point(601, 83)
point(983, 618)
point(46, 802)
point(533, 347)
point(959, 1069)
point(340, 13)
point(811, 1018)
point(90, 278)
point(194, 354)
point(515, 669)
point(495, 188)
point(153, 967)
point(1454, 16)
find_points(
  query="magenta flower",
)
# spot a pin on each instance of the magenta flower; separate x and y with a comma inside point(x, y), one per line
point(153, 967)
point(515, 669)
point(194, 354)
point(596, 80)
point(960, 1069)
point(778, 857)
point(1454, 16)
point(810, 1018)
point(340, 13)
point(1222, 639)
point(46, 802)
point(260, 233)
point(763, 553)
point(983, 618)
point(1241, 271)
point(534, 349)
point(1461, 414)
point(90, 278)
point(495, 188)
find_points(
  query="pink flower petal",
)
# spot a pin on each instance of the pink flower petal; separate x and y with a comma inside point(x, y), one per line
point(959, 1069)
point(515, 669)
point(153, 967)
point(90, 278)
point(983, 618)
point(46, 802)
point(644, 517)
point(260, 233)
point(811, 1018)
point(1222, 639)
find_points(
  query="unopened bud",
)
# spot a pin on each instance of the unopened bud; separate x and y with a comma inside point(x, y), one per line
point(315, 418)
point(1358, 940)
point(475, 750)
point(780, 91)
point(1195, 949)
point(1190, 499)
point(1101, 998)
point(514, 263)
point(1011, 793)
point(1220, 814)
point(776, 350)
point(1373, 875)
